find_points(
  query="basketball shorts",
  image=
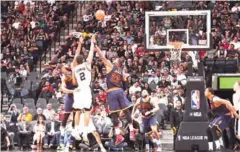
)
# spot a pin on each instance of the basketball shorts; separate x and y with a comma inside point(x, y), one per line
point(117, 100)
point(221, 122)
point(82, 99)
point(148, 122)
point(68, 103)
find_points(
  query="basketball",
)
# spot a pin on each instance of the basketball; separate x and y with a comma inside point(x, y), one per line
point(100, 15)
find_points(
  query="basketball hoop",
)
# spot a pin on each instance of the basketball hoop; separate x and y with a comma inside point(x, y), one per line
point(175, 50)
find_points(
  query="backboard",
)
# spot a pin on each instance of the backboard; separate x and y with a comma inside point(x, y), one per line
point(193, 28)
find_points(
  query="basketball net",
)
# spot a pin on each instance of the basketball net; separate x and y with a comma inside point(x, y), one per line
point(176, 50)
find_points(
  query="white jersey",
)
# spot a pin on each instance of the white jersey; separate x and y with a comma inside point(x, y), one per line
point(83, 98)
point(83, 75)
point(236, 101)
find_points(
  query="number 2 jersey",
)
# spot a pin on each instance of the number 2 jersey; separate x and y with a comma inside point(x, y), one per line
point(83, 98)
point(83, 76)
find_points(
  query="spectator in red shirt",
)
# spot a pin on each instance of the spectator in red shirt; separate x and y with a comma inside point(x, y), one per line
point(102, 96)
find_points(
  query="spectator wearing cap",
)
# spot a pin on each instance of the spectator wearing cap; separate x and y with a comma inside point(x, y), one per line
point(38, 114)
point(49, 112)
point(28, 116)
point(14, 113)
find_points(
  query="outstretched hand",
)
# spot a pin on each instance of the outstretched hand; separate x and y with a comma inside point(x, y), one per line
point(93, 38)
point(81, 39)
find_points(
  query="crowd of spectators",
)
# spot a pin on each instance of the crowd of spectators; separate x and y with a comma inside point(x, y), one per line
point(27, 29)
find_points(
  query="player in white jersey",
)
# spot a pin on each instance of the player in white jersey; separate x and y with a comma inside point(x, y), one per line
point(82, 78)
point(236, 103)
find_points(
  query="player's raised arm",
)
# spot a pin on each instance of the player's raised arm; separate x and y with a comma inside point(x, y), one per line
point(74, 80)
point(91, 52)
point(105, 61)
point(78, 50)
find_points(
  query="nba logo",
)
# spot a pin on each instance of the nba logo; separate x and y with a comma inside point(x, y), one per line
point(195, 99)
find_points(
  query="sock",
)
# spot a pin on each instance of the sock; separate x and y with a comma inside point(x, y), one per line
point(210, 145)
point(117, 130)
point(130, 127)
point(101, 146)
point(221, 141)
point(85, 132)
point(217, 142)
point(147, 147)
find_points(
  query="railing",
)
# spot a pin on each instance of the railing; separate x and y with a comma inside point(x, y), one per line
point(60, 32)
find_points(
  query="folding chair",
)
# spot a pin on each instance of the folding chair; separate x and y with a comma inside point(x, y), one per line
point(24, 93)
point(29, 101)
point(17, 101)
point(152, 86)
point(19, 106)
point(41, 103)
point(32, 76)
point(32, 110)
point(27, 84)
point(52, 101)
point(55, 105)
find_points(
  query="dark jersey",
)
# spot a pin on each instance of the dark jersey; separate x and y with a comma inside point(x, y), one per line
point(219, 109)
point(70, 86)
point(144, 107)
point(115, 78)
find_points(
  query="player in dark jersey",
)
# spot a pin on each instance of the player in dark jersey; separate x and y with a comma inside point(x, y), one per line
point(115, 95)
point(148, 107)
point(224, 112)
